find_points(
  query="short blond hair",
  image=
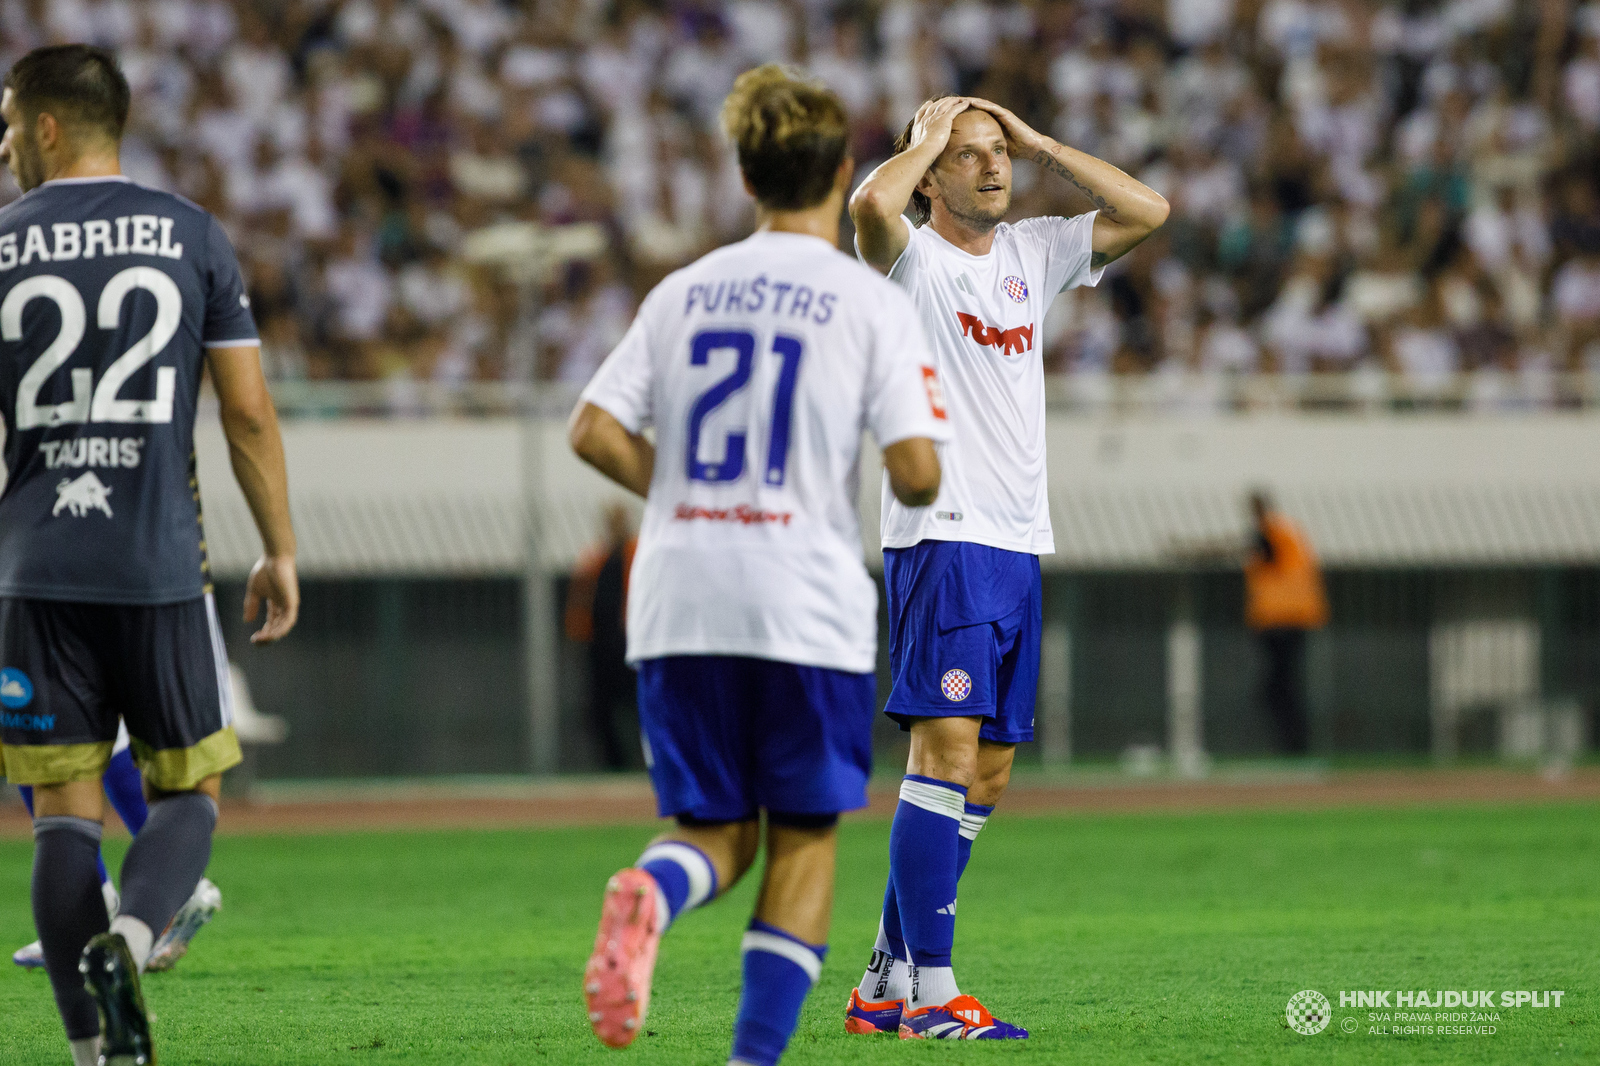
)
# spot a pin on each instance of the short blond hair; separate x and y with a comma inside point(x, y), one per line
point(791, 133)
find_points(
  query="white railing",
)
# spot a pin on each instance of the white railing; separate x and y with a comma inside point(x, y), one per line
point(1359, 393)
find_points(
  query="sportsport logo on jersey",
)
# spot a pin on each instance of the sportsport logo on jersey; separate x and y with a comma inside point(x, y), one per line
point(1015, 288)
point(955, 685)
point(81, 495)
point(1016, 340)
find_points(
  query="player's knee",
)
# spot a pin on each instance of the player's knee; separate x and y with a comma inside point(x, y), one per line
point(945, 749)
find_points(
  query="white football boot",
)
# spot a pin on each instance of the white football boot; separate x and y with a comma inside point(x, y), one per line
point(190, 919)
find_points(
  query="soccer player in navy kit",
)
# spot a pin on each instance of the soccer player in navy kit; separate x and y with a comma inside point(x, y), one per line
point(113, 298)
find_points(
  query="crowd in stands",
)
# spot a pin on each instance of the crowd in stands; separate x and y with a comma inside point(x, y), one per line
point(1396, 202)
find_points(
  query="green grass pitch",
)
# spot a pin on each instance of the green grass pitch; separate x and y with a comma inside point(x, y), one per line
point(1117, 939)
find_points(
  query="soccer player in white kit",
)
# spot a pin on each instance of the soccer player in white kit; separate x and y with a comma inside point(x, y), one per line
point(962, 575)
point(751, 617)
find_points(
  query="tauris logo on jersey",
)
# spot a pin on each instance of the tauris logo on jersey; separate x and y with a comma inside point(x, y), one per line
point(956, 685)
point(92, 451)
point(15, 688)
point(1016, 340)
point(78, 496)
point(1015, 288)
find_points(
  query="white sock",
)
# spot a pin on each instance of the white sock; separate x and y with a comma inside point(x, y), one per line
point(85, 1052)
point(138, 935)
point(109, 892)
point(887, 977)
point(932, 986)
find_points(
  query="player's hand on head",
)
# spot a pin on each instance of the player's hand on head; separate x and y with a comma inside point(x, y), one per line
point(1021, 138)
point(274, 580)
point(934, 119)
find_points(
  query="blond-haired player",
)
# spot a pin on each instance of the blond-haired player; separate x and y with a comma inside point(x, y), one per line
point(751, 618)
point(963, 574)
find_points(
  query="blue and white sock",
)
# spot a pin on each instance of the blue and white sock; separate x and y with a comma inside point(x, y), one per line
point(924, 845)
point(779, 970)
point(684, 876)
point(888, 976)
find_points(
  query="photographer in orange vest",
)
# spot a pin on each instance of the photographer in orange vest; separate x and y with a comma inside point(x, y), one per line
point(1284, 599)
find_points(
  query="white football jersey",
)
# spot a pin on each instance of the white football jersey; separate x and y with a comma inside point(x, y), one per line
point(984, 316)
point(759, 366)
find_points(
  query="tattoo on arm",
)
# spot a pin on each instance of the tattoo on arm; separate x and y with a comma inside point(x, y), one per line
point(1047, 160)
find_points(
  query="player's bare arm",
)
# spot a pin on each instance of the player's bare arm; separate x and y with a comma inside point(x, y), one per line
point(913, 467)
point(1129, 210)
point(879, 202)
point(255, 446)
point(602, 442)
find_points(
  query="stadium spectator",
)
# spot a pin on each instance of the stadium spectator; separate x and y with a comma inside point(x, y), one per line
point(1392, 135)
point(595, 617)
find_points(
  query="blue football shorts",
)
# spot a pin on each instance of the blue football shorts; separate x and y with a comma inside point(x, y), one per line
point(964, 627)
point(726, 735)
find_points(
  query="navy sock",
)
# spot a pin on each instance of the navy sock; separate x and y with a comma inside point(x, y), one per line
point(27, 801)
point(683, 873)
point(923, 845)
point(779, 970)
point(67, 910)
point(166, 860)
point(126, 789)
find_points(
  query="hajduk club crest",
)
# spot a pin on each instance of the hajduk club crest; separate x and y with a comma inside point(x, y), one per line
point(955, 685)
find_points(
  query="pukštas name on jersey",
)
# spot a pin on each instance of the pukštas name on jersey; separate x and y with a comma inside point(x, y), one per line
point(759, 367)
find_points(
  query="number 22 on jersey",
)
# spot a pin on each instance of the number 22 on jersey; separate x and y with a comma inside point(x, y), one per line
point(743, 344)
point(102, 405)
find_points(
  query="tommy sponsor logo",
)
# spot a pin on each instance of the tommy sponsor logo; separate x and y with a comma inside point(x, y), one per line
point(78, 496)
point(92, 451)
point(748, 516)
point(956, 686)
point(15, 689)
point(1012, 341)
point(948, 516)
point(1015, 288)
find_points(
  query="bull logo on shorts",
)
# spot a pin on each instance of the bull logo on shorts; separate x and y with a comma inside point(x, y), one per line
point(955, 685)
point(81, 495)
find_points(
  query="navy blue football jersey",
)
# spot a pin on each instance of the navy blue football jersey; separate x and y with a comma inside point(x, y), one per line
point(109, 295)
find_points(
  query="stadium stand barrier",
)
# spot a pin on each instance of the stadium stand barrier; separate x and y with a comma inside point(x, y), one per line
point(1462, 554)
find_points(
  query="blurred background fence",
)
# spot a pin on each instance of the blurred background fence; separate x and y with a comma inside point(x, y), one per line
point(1462, 558)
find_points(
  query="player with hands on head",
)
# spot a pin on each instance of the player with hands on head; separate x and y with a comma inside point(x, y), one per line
point(962, 575)
point(751, 617)
point(114, 300)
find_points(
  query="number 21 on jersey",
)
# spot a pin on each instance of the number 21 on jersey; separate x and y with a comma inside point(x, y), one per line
point(743, 344)
point(102, 404)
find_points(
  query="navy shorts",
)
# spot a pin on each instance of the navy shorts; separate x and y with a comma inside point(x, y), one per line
point(725, 735)
point(964, 627)
point(70, 671)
